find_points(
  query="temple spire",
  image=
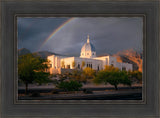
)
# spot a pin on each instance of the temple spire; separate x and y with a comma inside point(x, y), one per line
point(88, 39)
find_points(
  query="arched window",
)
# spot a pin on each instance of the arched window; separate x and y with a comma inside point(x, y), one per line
point(87, 53)
point(112, 63)
point(78, 66)
point(92, 53)
point(68, 66)
point(124, 68)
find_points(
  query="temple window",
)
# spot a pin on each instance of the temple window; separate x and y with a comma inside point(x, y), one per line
point(78, 66)
point(124, 68)
point(68, 66)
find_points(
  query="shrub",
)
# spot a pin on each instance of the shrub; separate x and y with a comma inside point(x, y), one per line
point(111, 68)
point(54, 75)
point(69, 85)
point(87, 74)
point(137, 75)
point(55, 82)
point(112, 77)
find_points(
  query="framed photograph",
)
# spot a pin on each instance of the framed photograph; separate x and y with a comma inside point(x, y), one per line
point(80, 59)
point(74, 68)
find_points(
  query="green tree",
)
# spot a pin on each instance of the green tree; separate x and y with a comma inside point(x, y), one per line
point(137, 75)
point(116, 78)
point(76, 75)
point(111, 68)
point(100, 77)
point(31, 68)
point(112, 77)
point(87, 73)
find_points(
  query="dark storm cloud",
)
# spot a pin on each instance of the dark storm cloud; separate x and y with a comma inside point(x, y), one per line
point(33, 31)
point(108, 35)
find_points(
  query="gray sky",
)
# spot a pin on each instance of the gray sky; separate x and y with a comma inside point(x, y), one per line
point(107, 34)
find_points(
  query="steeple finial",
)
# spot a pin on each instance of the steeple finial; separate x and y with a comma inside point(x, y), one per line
point(88, 39)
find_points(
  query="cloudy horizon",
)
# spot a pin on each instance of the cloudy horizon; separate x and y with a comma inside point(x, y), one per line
point(107, 34)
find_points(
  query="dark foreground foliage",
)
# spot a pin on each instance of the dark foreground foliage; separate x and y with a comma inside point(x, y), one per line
point(112, 76)
point(31, 68)
point(69, 85)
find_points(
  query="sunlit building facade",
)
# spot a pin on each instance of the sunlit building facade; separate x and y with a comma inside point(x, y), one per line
point(87, 58)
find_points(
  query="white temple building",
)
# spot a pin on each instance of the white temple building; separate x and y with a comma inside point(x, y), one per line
point(87, 57)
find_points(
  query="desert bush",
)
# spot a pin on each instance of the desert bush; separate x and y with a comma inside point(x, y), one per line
point(137, 75)
point(111, 68)
point(31, 69)
point(69, 85)
point(53, 75)
point(87, 74)
point(112, 77)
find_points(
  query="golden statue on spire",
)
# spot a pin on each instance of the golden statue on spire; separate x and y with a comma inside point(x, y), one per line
point(88, 39)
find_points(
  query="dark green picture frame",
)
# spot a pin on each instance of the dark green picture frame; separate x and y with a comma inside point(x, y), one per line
point(149, 108)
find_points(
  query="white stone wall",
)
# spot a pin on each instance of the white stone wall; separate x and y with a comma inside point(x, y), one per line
point(104, 59)
point(68, 62)
point(55, 61)
point(118, 65)
point(127, 66)
point(112, 61)
point(88, 54)
point(124, 66)
point(109, 60)
point(51, 59)
point(97, 63)
point(89, 61)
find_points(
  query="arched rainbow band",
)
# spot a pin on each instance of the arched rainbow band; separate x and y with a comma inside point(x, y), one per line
point(55, 31)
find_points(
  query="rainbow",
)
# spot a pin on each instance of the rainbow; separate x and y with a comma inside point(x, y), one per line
point(55, 31)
